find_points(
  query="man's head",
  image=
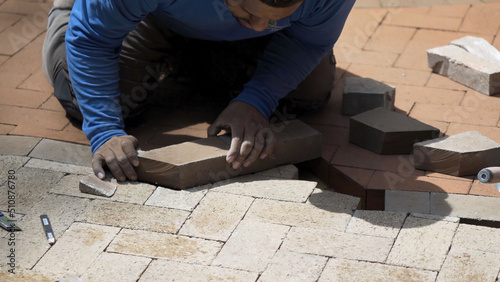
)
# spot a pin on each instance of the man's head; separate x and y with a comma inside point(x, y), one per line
point(256, 14)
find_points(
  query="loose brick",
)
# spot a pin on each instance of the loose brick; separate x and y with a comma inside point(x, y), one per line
point(76, 250)
point(385, 132)
point(469, 265)
point(364, 94)
point(216, 216)
point(186, 199)
point(178, 271)
point(478, 238)
point(17, 145)
point(289, 266)
point(134, 216)
point(63, 152)
point(249, 248)
point(162, 245)
point(348, 270)
point(407, 201)
point(57, 166)
point(479, 47)
point(465, 206)
point(298, 214)
point(116, 267)
point(269, 188)
point(31, 185)
point(203, 161)
point(337, 244)
point(422, 243)
point(129, 192)
point(460, 155)
point(376, 223)
point(465, 68)
point(91, 184)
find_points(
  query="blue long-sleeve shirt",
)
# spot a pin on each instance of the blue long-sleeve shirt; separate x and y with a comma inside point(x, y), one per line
point(97, 28)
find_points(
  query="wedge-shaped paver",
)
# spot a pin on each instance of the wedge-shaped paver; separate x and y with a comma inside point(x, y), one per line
point(216, 216)
point(116, 267)
point(134, 216)
point(284, 171)
point(11, 163)
point(386, 132)
point(186, 199)
point(289, 266)
point(63, 152)
point(478, 238)
point(17, 145)
point(337, 244)
point(376, 223)
point(266, 187)
point(203, 161)
point(422, 243)
point(30, 186)
point(350, 270)
point(364, 94)
point(76, 250)
point(251, 246)
point(57, 166)
point(91, 184)
point(129, 192)
point(167, 246)
point(469, 265)
point(165, 270)
point(465, 68)
point(298, 214)
point(466, 206)
point(460, 155)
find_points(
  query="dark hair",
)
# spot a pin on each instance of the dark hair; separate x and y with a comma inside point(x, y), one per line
point(280, 3)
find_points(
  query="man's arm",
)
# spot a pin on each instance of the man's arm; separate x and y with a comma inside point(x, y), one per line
point(290, 56)
point(93, 42)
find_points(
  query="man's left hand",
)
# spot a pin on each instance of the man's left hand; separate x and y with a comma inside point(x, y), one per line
point(252, 137)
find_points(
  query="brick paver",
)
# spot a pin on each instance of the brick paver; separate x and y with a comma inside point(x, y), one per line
point(422, 243)
point(163, 245)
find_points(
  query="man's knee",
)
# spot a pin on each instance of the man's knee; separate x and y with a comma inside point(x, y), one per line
point(315, 91)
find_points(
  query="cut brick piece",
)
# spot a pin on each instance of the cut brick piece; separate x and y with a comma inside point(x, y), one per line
point(479, 47)
point(462, 154)
point(203, 161)
point(385, 132)
point(364, 94)
point(466, 68)
point(93, 185)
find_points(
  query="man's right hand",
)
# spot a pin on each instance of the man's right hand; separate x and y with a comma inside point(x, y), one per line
point(119, 154)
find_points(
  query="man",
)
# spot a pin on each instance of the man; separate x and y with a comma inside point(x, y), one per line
point(112, 46)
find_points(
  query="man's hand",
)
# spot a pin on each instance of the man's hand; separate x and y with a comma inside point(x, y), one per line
point(252, 137)
point(119, 154)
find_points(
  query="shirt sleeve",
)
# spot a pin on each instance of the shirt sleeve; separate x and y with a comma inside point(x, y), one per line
point(93, 43)
point(293, 53)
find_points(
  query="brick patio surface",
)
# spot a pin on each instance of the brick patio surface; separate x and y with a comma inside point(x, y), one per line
point(352, 216)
